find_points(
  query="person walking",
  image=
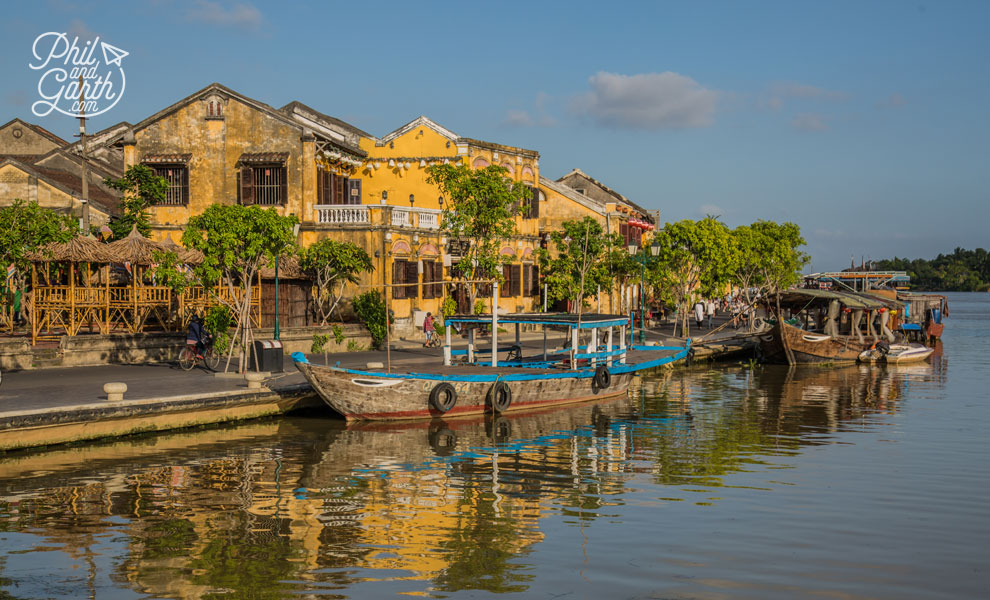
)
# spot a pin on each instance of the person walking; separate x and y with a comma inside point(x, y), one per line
point(429, 330)
point(710, 312)
point(699, 313)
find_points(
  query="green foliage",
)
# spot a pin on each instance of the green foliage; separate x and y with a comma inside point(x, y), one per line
point(370, 308)
point(338, 334)
point(169, 271)
point(961, 271)
point(480, 306)
point(354, 346)
point(142, 189)
point(26, 227)
point(333, 264)
point(218, 322)
point(586, 258)
point(767, 256)
point(320, 341)
point(696, 258)
point(480, 207)
point(448, 307)
point(439, 329)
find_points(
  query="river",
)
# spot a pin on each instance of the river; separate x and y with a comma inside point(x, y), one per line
point(725, 482)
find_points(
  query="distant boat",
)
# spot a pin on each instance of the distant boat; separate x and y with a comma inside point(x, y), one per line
point(481, 384)
point(895, 353)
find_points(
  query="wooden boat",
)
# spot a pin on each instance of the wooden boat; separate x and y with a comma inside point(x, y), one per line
point(896, 354)
point(575, 374)
point(923, 315)
point(826, 327)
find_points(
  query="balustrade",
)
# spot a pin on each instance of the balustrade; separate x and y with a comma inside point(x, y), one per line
point(328, 214)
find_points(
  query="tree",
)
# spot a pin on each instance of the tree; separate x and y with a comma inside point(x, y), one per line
point(480, 209)
point(332, 265)
point(581, 263)
point(370, 308)
point(696, 259)
point(779, 258)
point(236, 241)
point(26, 227)
point(141, 189)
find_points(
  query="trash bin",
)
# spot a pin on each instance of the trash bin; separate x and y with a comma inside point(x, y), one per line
point(268, 354)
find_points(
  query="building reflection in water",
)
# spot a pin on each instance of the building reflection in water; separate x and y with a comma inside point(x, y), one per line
point(275, 507)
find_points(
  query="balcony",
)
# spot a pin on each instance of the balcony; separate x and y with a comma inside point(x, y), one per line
point(334, 214)
point(422, 218)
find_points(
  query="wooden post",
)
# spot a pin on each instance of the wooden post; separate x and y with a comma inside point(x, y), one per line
point(608, 346)
point(446, 347)
point(593, 344)
point(106, 299)
point(470, 353)
point(72, 298)
point(495, 324)
point(622, 344)
point(574, 348)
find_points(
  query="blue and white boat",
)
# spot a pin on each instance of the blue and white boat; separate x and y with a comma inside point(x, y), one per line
point(474, 380)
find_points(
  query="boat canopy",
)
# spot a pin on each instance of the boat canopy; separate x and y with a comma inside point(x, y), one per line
point(587, 321)
point(813, 297)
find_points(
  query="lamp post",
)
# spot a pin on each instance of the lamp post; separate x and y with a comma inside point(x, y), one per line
point(278, 332)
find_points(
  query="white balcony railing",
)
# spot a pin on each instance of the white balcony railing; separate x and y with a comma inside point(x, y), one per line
point(333, 214)
point(400, 217)
point(428, 220)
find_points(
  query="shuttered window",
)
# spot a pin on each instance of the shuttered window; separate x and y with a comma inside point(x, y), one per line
point(332, 188)
point(264, 185)
point(513, 280)
point(405, 271)
point(531, 281)
point(531, 206)
point(177, 176)
point(432, 274)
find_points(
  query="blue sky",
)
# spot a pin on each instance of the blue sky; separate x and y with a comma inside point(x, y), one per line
point(863, 122)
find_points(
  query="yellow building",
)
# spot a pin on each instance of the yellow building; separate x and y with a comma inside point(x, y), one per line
point(38, 166)
point(219, 146)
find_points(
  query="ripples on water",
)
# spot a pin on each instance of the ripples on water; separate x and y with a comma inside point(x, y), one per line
point(720, 483)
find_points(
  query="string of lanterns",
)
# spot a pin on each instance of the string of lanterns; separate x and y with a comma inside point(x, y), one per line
point(404, 162)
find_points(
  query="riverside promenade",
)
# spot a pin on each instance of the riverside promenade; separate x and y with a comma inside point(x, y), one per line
point(60, 405)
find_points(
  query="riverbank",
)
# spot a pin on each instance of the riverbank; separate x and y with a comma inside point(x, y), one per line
point(41, 407)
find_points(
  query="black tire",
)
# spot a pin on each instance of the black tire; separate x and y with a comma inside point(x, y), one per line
point(187, 360)
point(499, 397)
point(211, 358)
point(602, 378)
point(443, 397)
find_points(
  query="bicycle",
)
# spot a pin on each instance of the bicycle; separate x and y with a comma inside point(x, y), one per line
point(210, 357)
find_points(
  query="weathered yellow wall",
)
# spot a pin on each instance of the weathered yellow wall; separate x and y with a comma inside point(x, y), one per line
point(17, 184)
point(216, 145)
point(18, 138)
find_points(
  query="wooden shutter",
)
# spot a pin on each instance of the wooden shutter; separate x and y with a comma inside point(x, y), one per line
point(339, 185)
point(534, 205)
point(516, 283)
point(535, 291)
point(284, 188)
point(247, 186)
point(412, 276)
point(398, 276)
point(354, 191)
point(185, 186)
point(624, 232)
point(527, 280)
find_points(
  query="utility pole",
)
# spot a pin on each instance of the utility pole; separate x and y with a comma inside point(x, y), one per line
point(85, 165)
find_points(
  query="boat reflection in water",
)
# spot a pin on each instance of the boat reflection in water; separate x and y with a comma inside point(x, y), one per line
point(273, 508)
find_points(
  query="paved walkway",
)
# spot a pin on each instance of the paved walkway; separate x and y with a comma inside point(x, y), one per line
point(73, 386)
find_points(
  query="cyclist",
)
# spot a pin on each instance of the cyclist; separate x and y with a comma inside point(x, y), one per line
point(196, 335)
point(429, 330)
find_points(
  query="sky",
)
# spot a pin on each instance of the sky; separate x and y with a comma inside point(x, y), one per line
point(863, 122)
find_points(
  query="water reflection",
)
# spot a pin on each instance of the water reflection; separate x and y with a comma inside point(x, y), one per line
point(270, 508)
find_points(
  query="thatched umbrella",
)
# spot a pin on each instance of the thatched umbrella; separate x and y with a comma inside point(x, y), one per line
point(135, 249)
point(79, 249)
point(186, 256)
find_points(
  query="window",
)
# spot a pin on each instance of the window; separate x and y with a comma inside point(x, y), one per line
point(177, 176)
point(332, 188)
point(513, 280)
point(264, 185)
point(432, 273)
point(405, 271)
point(531, 280)
point(632, 235)
point(531, 207)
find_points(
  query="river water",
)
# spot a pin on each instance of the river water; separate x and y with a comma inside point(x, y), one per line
point(725, 482)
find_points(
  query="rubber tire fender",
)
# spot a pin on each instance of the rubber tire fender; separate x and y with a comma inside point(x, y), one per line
point(602, 378)
point(443, 397)
point(499, 396)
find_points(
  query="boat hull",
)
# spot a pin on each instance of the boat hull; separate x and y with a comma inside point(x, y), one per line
point(899, 354)
point(786, 344)
point(380, 396)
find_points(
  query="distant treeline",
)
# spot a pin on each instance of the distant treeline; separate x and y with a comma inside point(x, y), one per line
point(961, 271)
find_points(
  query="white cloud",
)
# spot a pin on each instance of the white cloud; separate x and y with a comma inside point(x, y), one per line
point(895, 100)
point(78, 28)
point(647, 101)
point(523, 118)
point(239, 14)
point(809, 122)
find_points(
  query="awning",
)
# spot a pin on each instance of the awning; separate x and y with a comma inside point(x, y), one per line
point(167, 159)
point(265, 158)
